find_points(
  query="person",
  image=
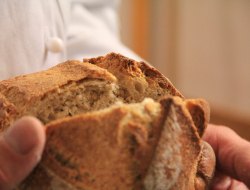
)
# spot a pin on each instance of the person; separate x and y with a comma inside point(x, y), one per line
point(36, 35)
point(232, 155)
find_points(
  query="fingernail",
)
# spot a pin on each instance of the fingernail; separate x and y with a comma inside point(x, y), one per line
point(221, 182)
point(21, 137)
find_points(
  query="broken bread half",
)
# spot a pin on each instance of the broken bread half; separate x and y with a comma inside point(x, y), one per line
point(103, 134)
point(148, 145)
point(75, 87)
point(136, 80)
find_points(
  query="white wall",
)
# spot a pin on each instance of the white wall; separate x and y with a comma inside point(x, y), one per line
point(203, 47)
point(214, 53)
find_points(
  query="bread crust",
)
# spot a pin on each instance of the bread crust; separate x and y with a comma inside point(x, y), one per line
point(87, 151)
point(206, 168)
point(98, 150)
point(136, 77)
point(20, 93)
point(136, 81)
point(200, 112)
point(147, 145)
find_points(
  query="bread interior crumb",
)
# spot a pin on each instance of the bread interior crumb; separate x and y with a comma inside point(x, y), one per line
point(74, 98)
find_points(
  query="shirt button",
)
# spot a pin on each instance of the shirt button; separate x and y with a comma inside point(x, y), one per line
point(55, 45)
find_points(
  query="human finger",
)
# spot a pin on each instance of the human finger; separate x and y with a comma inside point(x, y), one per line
point(224, 182)
point(21, 147)
point(221, 181)
point(237, 185)
point(232, 152)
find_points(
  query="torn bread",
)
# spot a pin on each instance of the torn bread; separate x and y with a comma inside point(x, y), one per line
point(92, 88)
point(148, 145)
point(137, 79)
point(75, 87)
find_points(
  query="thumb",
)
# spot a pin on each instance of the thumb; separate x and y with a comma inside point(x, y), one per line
point(21, 147)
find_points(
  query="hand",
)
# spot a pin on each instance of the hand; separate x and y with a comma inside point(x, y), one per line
point(21, 147)
point(232, 158)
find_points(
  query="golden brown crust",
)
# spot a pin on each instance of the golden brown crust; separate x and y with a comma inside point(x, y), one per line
point(206, 168)
point(190, 146)
point(118, 143)
point(200, 112)
point(137, 77)
point(135, 146)
point(100, 150)
point(21, 92)
point(43, 179)
point(39, 83)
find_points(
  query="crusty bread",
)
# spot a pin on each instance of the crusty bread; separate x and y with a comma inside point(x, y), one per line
point(120, 140)
point(67, 89)
point(147, 145)
point(75, 87)
point(136, 79)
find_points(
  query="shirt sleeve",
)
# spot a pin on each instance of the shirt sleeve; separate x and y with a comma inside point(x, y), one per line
point(94, 30)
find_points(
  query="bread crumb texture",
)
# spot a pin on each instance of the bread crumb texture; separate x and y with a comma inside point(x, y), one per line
point(75, 87)
point(111, 123)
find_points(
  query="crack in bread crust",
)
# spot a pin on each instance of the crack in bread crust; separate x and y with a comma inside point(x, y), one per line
point(99, 126)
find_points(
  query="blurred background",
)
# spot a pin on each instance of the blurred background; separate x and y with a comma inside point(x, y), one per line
point(203, 47)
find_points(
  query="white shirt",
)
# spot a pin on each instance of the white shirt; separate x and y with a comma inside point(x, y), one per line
point(87, 28)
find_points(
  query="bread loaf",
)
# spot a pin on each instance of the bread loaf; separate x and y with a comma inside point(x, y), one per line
point(75, 87)
point(111, 123)
point(147, 145)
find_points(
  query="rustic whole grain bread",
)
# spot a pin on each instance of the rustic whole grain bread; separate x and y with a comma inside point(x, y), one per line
point(147, 145)
point(136, 79)
point(75, 87)
point(103, 134)
point(67, 89)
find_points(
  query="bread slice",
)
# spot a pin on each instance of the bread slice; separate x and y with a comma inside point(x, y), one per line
point(148, 145)
point(75, 87)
